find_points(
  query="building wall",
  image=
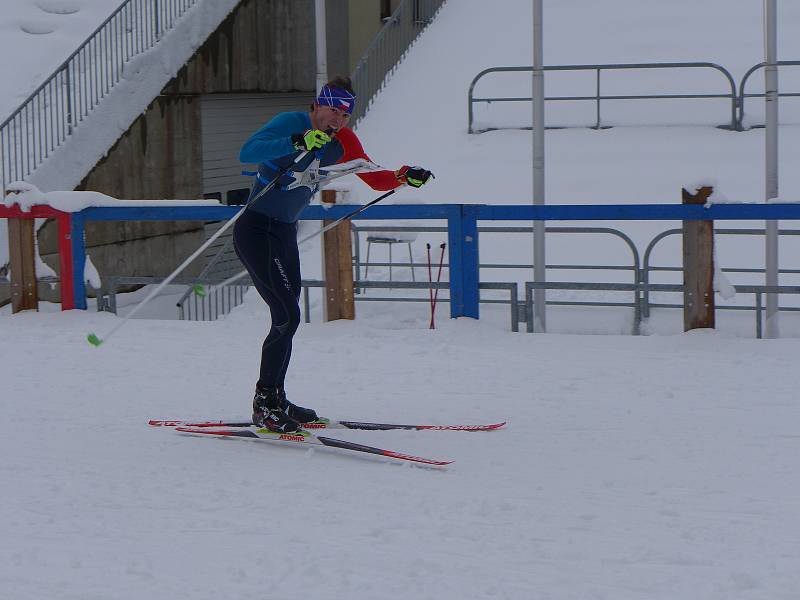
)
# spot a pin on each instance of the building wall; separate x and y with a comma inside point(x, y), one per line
point(158, 157)
point(364, 24)
point(266, 46)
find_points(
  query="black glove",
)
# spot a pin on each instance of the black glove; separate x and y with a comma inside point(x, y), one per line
point(414, 176)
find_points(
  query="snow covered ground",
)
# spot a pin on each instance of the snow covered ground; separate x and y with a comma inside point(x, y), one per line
point(632, 468)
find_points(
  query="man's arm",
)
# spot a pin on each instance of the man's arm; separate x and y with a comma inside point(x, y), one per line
point(272, 141)
point(377, 180)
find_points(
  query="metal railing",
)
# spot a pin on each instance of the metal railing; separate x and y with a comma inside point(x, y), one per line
point(647, 268)
point(753, 69)
point(46, 119)
point(757, 290)
point(388, 49)
point(598, 96)
point(633, 266)
point(218, 302)
point(737, 99)
point(463, 277)
point(221, 263)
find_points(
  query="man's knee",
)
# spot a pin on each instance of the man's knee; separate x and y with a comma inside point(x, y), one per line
point(289, 326)
point(294, 318)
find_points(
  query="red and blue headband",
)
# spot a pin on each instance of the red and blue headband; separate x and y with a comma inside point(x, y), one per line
point(336, 98)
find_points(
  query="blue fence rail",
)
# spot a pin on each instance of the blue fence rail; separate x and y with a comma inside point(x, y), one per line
point(462, 226)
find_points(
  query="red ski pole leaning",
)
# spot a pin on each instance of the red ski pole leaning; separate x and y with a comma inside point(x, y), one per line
point(438, 279)
point(430, 279)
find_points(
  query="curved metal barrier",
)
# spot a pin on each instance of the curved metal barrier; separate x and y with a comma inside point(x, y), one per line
point(634, 266)
point(742, 95)
point(597, 97)
point(647, 287)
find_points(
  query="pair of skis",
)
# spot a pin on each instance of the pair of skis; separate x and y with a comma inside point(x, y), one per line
point(246, 431)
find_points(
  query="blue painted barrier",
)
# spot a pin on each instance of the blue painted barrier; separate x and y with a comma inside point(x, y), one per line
point(462, 223)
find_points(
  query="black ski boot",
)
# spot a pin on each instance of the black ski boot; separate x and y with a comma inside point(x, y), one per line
point(298, 413)
point(270, 411)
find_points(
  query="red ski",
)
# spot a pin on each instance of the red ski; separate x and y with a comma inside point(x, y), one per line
point(305, 437)
point(331, 424)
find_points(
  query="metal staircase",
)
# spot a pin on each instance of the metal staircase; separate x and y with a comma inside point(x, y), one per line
point(389, 48)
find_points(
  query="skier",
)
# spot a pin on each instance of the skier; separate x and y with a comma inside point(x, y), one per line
point(265, 236)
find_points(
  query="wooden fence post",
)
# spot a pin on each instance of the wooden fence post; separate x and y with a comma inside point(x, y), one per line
point(337, 259)
point(24, 293)
point(698, 266)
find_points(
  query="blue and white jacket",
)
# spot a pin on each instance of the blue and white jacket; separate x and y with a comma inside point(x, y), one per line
point(271, 147)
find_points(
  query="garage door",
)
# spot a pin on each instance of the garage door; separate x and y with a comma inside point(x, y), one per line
point(227, 121)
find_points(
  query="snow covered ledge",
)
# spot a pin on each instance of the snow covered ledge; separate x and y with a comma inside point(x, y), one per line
point(26, 195)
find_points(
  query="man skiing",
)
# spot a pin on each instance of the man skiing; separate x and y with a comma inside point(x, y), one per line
point(265, 236)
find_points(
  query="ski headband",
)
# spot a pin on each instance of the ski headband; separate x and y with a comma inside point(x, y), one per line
point(336, 98)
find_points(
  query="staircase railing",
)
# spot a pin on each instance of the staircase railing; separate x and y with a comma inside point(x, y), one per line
point(388, 48)
point(46, 119)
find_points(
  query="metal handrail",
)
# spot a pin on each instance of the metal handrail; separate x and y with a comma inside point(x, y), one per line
point(750, 71)
point(758, 290)
point(45, 120)
point(646, 268)
point(388, 48)
point(234, 294)
point(635, 266)
point(216, 258)
point(598, 96)
point(569, 285)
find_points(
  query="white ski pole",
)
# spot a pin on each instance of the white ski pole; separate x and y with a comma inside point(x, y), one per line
point(95, 340)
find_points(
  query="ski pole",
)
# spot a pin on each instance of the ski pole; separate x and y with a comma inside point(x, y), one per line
point(438, 279)
point(430, 279)
point(95, 340)
point(327, 227)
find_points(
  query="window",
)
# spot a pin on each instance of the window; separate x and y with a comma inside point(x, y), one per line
point(386, 9)
point(236, 197)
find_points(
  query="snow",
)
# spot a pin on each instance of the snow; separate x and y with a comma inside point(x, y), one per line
point(40, 35)
point(42, 268)
point(722, 284)
point(25, 195)
point(90, 274)
point(633, 468)
point(655, 467)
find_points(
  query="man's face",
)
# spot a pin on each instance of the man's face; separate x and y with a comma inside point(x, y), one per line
point(328, 117)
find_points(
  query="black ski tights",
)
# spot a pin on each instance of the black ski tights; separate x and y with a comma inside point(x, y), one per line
point(268, 249)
